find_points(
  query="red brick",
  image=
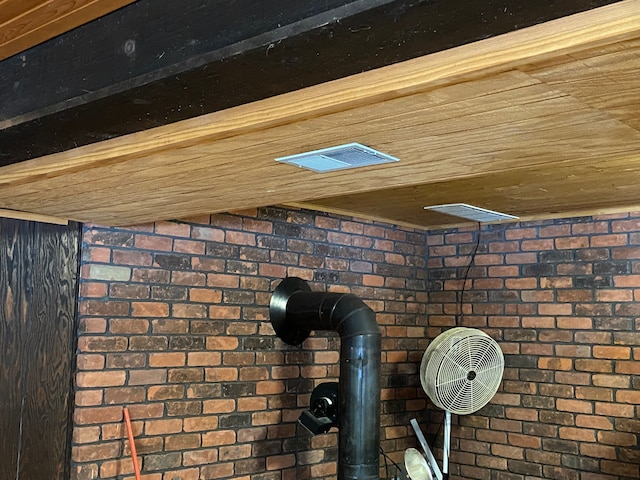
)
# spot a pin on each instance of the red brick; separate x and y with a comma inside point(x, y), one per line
point(222, 343)
point(571, 243)
point(372, 280)
point(219, 437)
point(614, 410)
point(269, 387)
point(220, 312)
point(604, 295)
point(507, 451)
point(537, 296)
point(600, 366)
point(573, 351)
point(628, 396)
point(555, 363)
point(620, 439)
point(537, 245)
point(194, 279)
point(88, 398)
point(593, 421)
point(128, 326)
point(627, 368)
point(521, 283)
point(597, 450)
point(524, 414)
point(575, 323)
point(204, 359)
point(520, 233)
point(612, 381)
point(149, 242)
point(578, 434)
point(86, 434)
point(577, 406)
point(144, 377)
point(182, 442)
point(162, 427)
point(188, 311)
point(93, 289)
point(205, 295)
point(166, 392)
point(167, 359)
point(90, 362)
point(616, 353)
point(100, 379)
point(202, 456)
point(556, 282)
point(101, 451)
point(150, 309)
point(538, 322)
point(85, 416)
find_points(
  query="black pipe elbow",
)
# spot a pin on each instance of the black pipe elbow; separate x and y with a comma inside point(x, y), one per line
point(351, 316)
point(295, 311)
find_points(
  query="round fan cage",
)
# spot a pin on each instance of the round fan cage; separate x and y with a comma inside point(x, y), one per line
point(461, 370)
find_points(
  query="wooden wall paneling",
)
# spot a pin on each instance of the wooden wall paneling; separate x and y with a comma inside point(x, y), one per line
point(38, 298)
point(48, 360)
point(14, 270)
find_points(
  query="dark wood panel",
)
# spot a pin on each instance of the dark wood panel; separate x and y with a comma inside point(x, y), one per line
point(15, 258)
point(38, 298)
point(48, 360)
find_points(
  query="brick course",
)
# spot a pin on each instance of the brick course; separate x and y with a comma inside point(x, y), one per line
point(174, 324)
point(559, 298)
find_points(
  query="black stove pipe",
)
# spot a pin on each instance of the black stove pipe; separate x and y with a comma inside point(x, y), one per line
point(295, 311)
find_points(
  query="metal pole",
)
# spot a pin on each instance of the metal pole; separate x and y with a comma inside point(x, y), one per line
point(447, 445)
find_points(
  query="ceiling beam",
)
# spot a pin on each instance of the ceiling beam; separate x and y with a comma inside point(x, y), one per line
point(156, 62)
point(495, 114)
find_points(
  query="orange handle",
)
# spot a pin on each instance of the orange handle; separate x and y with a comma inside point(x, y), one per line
point(132, 445)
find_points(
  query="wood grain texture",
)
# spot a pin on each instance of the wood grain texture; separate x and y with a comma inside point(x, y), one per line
point(39, 265)
point(48, 358)
point(34, 217)
point(25, 23)
point(14, 265)
point(510, 114)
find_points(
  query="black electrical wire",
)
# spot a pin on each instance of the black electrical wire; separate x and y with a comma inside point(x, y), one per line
point(466, 275)
point(435, 437)
point(388, 458)
point(297, 452)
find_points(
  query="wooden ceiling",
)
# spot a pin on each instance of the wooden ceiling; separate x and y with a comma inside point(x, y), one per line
point(540, 122)
point(25, 23)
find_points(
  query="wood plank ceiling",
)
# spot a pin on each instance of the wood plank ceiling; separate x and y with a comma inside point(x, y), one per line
point(25, 23)
point(539, 122)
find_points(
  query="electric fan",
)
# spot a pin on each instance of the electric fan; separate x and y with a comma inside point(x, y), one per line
point(461, 371)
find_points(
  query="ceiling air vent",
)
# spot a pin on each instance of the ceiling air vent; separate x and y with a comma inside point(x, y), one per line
point(351, 155)
point(469, 212)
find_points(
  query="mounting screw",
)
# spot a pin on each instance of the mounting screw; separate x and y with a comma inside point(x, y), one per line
point(130, 47)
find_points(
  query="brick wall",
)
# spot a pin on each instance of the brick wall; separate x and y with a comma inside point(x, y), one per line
point(174, 325)
point(562, 299)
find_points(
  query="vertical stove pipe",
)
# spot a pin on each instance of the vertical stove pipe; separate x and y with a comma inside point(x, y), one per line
point(295, 311)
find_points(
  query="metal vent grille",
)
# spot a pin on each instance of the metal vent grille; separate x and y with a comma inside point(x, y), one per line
point(470, 212)
point(351, 155)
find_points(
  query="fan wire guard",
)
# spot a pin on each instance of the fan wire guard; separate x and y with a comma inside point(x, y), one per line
point(461, 370)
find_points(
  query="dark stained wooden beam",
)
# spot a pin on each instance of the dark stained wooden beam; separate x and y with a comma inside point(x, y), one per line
point(157, 62)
